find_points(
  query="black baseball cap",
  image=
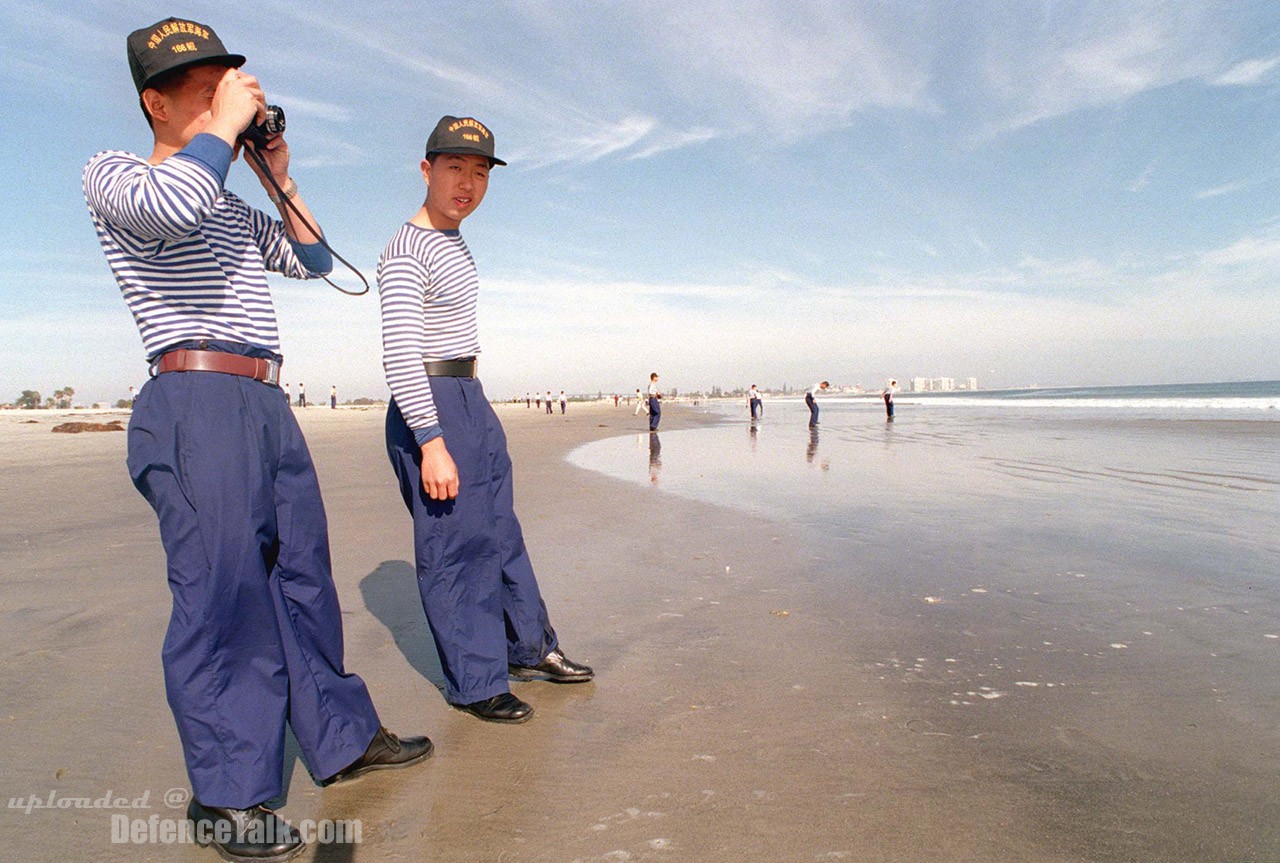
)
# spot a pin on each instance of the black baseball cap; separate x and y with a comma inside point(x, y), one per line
point(463, 135)
point(174, 43)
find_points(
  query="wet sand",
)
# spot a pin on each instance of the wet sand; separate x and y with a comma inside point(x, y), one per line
point(743, 710)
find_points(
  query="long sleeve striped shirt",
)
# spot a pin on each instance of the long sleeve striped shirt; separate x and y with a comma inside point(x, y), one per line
point(190, 257)
point(428, 287)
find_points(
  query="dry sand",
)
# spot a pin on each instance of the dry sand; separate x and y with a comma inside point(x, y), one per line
point(737, 715)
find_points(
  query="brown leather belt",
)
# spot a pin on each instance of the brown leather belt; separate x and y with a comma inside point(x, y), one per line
point(184, 360)
point(463, 367)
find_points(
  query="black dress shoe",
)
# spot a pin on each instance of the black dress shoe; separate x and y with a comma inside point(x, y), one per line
point(254, 835)
point(386, 751)
point(555, 667)
point(500, 708)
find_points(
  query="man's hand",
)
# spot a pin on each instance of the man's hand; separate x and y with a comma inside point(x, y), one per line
point(276, 154)
point(439, 473)
point(237, 102)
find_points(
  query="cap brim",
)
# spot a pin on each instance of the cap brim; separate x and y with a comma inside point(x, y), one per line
point(467, 151)
point(235, 61)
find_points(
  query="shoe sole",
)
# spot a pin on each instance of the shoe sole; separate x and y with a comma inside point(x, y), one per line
point(372, 767)
point(498, 720)
point(240, 858)
point(530, 674)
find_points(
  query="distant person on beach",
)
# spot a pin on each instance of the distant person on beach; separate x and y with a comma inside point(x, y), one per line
point(888, 398)
point(254, 644)
point(549, 401)
point(333, 397)
point(563, 401)
point(288, 396)
point(811, 400)
point(527, 401)
point(753, 402)
point(640, 404)
point(302, 395)
point(655, 403)
point(448, 448)
point(133, 396)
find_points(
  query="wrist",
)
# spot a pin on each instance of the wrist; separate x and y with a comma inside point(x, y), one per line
point(290, 190)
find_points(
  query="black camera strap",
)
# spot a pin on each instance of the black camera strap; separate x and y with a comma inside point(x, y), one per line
point(257, 158)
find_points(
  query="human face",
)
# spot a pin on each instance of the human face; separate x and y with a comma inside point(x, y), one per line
point(456, 184)
point(185, 105)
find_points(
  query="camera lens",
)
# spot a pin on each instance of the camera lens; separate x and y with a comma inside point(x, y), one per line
point(273, 123)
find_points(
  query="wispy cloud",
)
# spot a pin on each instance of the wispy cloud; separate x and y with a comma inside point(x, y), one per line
point(1045, 69)
point(312, 108)
point(1247, 73)
point(1144, 179)
point(1224, 189)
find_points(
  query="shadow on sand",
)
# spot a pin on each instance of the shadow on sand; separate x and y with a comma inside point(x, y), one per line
point(390, 592)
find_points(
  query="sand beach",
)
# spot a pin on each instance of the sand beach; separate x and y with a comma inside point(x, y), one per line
point(1000, 692)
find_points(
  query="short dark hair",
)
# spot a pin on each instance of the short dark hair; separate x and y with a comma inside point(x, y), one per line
point(652, 375)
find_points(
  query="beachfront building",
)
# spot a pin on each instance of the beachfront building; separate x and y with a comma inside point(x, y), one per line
point(933, 385)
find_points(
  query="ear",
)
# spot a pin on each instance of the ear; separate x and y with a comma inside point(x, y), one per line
point(426, 171)
point(156, 104)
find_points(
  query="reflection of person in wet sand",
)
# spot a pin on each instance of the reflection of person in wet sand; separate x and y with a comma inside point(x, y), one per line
point(655, 457)
point(811, 451)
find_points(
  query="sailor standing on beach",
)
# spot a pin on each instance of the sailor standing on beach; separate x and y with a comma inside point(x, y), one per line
point(888, 398)
point(754, 403)
point(255, 639)
point(811, 400)
point(449, 451)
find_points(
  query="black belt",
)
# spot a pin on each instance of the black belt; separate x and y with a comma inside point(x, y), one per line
point(463, 367)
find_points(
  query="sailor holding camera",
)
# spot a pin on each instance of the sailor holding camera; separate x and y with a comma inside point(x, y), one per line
point(255, 637)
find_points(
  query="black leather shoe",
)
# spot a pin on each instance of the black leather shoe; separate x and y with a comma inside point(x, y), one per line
point(555, 667)
point(254, 835)
point(386, 751)
point(500, 708)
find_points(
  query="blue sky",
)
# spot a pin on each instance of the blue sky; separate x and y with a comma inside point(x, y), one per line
point(726, 192)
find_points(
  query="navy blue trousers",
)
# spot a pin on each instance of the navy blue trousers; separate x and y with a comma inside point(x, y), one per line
point(655, 413)
point(813, 408)
point(255, 637)
point(478, 589)
point(888, 405)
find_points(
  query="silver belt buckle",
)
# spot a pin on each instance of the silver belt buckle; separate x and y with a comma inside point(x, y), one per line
point(273, 373)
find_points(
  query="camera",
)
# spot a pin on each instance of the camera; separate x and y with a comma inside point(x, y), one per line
point(272, 124)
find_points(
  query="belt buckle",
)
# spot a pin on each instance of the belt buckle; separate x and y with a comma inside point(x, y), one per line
point(273, 373)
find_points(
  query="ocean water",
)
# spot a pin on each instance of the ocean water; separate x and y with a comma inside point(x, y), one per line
point(1179, 479)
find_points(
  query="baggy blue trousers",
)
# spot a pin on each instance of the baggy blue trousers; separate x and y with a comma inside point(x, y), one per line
point(655, 413)
point(813, 408)
point(478, 589)
point(255, 636)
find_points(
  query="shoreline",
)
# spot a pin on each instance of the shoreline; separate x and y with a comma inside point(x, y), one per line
point(745, 708)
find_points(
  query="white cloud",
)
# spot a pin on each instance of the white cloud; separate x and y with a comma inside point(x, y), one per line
point(1143, 179)
point(1246, 74)
point(1038, 70)
point(312, 108)
point(1225, 189)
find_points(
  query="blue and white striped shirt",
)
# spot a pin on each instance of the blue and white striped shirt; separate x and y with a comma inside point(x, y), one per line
point(428, 287)
point(189, 256)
